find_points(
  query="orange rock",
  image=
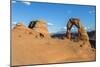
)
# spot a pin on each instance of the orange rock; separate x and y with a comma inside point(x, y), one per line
point(39, 26)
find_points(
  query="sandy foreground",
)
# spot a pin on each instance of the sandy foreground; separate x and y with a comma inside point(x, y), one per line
point(27, 49)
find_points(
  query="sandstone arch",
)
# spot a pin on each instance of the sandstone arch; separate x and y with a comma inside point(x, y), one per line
point(82, 33)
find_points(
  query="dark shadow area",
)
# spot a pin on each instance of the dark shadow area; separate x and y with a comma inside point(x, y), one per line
point(92, 38)
point(41, 35)
point(32, 24)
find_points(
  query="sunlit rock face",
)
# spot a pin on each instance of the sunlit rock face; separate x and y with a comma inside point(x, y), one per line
point(39, 26)
point(82, 33)
point(31, 47)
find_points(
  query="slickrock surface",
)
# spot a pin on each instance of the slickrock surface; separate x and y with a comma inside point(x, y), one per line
point(29, 48)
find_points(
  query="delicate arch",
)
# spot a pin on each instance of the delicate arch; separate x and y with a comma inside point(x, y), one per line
point(82, 33)
point(70, 24)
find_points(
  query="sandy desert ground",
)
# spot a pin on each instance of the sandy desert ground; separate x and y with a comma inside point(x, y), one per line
point(29, 48)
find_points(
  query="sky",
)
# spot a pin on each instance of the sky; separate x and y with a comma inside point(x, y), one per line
point(55, 15)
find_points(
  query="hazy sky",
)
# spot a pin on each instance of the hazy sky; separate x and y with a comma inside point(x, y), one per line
point(55, 15)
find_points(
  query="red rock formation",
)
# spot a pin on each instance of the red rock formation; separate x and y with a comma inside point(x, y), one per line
point(40, 27)
point(82, 33)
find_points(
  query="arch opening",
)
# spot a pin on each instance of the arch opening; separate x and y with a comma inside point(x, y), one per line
point(73, 22)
